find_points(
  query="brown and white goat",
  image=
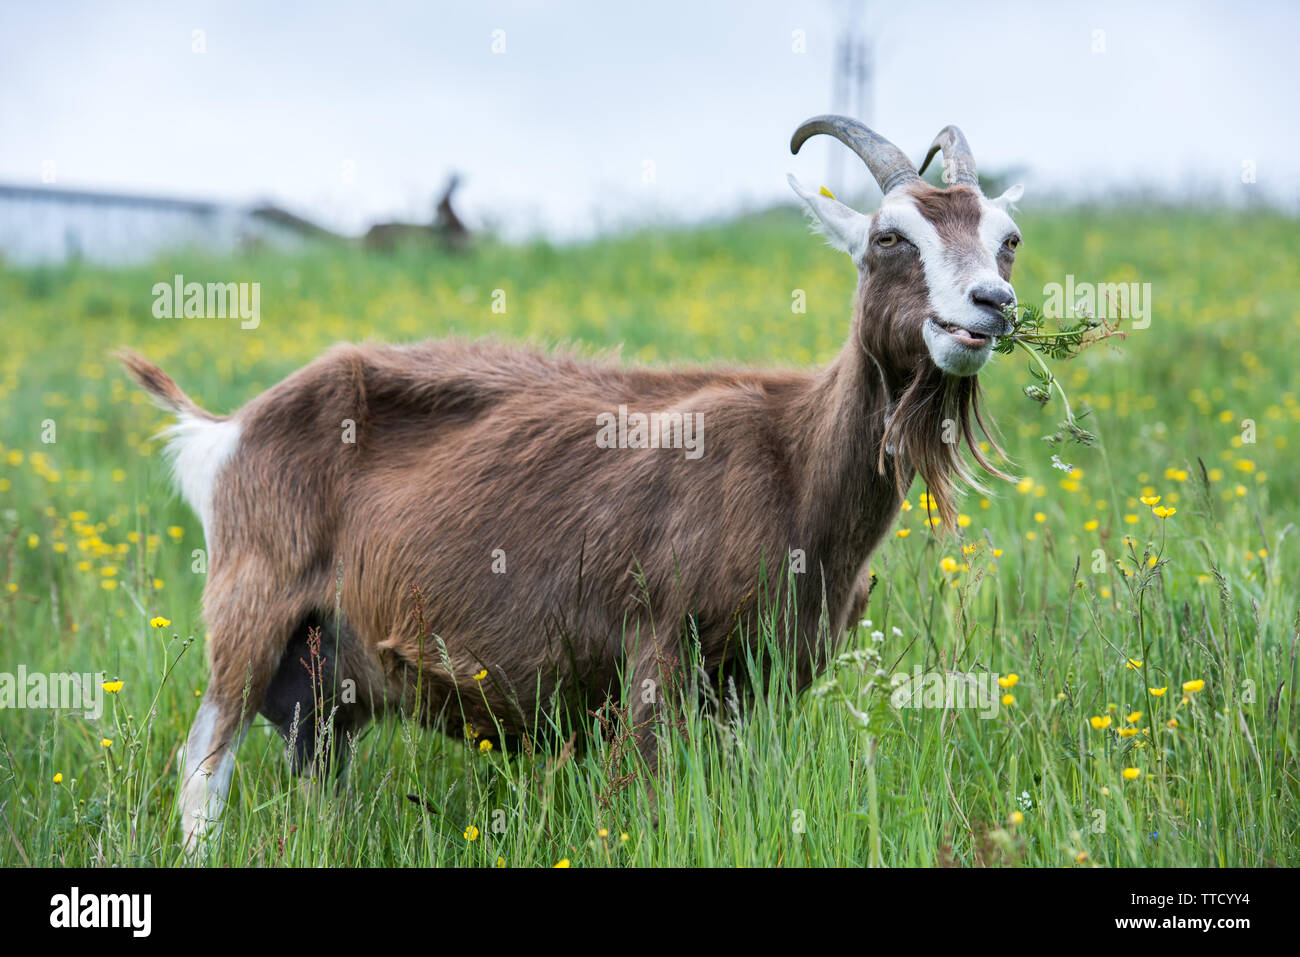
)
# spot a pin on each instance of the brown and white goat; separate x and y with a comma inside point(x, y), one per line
point(477, 486)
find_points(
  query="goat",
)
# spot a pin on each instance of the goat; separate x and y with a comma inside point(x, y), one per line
point(478, 483)
point(447, 228)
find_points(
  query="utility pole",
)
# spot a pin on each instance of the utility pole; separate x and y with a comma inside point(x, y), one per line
point(852, 82)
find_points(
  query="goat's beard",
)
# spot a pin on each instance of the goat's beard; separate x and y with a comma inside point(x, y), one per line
point(923, 432)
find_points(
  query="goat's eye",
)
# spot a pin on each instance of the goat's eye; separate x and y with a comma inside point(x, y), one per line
point(1012, 242)
point(887, 239)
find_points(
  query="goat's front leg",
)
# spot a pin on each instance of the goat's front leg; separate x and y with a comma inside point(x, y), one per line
point(655, 676)
point(861, 598)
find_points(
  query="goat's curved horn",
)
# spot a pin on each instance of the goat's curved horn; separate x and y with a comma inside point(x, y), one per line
point(958, 161)
point(888, 164)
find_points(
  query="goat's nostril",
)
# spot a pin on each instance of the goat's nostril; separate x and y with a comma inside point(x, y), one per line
point(995, 298)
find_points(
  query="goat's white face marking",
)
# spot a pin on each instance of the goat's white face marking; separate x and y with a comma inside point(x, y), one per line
point(965, 291)
point(960, 332)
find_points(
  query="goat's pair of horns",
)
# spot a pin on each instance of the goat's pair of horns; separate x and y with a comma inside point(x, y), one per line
point(888, 164)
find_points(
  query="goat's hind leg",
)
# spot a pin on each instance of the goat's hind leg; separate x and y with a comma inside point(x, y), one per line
point(210, 749)
point(243, 662)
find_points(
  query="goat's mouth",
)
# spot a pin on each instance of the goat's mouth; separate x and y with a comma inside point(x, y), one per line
point(956, 348)
point(966, 336)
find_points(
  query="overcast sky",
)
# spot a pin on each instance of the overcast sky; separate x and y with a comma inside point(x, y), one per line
point(351, 112)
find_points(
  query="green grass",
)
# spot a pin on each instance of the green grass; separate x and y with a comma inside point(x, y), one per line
point(790, 780)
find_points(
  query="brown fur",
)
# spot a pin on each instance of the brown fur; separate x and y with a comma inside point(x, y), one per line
point(613, 556)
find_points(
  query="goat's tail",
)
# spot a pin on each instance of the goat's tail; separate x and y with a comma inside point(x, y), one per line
point(160, 386)
point(198, 445)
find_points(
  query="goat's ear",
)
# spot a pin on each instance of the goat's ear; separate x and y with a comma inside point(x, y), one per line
point(846, 228)
point(1009, 198)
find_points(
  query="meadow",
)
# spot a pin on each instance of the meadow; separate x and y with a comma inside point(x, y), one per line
point(1146, 646)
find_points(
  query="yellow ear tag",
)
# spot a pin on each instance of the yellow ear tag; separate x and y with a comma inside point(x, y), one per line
point(826, 192)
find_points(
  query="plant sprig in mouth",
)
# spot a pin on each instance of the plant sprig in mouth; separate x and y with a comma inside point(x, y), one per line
point(1040, 343)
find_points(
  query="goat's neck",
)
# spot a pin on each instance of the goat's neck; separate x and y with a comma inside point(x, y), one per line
point(839, 423)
